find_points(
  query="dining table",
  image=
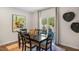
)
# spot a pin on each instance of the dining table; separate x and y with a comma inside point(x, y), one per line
point(39, 38)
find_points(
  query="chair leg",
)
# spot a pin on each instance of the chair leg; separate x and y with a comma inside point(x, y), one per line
point(19, 43)
point(22, 47)
point(30, 46)
point(46, 48)
point(51, 47)
point(25, 46)
point(37, 48)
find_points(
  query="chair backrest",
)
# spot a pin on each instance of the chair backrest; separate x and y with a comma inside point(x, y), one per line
point(23, 30)
point(51, 34)
point(48, 39)
point(19, 36)
point(26, 37)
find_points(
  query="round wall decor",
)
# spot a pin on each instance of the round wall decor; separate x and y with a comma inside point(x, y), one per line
point(75, 27)
point(69, 16)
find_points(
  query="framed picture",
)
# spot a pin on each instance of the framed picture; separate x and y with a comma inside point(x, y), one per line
point(18, 22)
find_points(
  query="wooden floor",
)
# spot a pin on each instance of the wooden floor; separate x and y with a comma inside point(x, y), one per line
point(14, 47)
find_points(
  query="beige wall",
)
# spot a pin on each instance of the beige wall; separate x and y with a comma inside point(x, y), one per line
point(6, 34)
point(66, 36)
point(34, 20)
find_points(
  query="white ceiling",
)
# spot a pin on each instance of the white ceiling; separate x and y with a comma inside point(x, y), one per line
point(31, 9)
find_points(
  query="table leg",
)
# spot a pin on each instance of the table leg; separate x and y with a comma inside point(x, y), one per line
point(39, 47)
point(51, 46)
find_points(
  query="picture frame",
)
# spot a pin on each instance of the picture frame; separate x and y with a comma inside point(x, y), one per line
point(18, 22)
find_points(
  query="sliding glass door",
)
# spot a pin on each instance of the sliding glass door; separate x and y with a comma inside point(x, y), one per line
point(47, 19)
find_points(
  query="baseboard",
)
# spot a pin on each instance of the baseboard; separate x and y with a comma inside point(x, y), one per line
point(67, 48)
point(8, 44)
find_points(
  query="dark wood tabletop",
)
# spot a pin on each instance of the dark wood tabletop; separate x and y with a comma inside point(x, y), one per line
point(38, 39)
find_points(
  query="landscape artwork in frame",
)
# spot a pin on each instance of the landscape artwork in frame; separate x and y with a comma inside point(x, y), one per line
point(18, 22)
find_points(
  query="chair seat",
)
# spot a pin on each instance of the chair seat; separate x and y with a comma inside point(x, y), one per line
point(44, 43)
point(35, 43)
point(44, 46)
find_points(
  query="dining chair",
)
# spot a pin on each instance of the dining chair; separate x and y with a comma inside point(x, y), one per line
point(20, 39)
point(28, 43)
point(49, 40)
point(47, 44)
